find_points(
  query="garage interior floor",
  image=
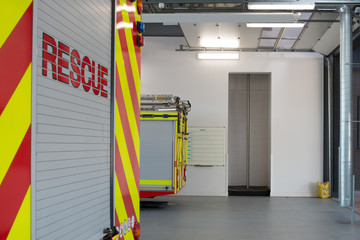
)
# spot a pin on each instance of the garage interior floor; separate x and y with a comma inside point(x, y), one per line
point(248, 218)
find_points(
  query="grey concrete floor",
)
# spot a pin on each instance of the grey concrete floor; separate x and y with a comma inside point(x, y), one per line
point(248, 218)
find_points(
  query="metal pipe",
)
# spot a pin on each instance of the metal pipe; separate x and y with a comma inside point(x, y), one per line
point(330, 133)
point(353, 201)
point(346, 134)
point(248, 134)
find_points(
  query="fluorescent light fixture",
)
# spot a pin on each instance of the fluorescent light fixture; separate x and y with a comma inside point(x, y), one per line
point(166, 109)
point(275, 25)
point(218, 56)
point(281, 6)
point(219, 43)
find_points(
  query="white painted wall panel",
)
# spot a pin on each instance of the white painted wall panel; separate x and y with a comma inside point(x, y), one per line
point(296, 109)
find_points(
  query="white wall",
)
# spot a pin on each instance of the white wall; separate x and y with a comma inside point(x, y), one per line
point(296, 109)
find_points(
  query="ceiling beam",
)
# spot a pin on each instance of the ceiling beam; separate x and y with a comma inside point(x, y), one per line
point(219, 17)
point(281, 34)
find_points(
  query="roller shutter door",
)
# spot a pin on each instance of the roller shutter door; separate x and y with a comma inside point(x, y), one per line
point(71, 173)
point(157, 154)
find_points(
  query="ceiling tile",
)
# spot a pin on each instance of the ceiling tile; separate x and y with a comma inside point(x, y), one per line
point(267, 43)
point(315, 30)
point(270, 32)
point(286, 44)
point(292, 33)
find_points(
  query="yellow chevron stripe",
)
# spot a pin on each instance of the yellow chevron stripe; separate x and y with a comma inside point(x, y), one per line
point(129, 174)
point(127, 98)
point(155, 182)
point(175, 153)
point(14, 122)
point(10, 14)
point(21, 227)
point(132, 54)
point(120, 208)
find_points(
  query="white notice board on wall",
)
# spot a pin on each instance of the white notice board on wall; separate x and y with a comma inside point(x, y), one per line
point(206, 146)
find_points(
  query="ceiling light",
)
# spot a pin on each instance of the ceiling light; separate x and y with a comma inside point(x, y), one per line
point(166, 109)
point(218, 56)
point(275, 25)
point(281, 6)
point(219, 43)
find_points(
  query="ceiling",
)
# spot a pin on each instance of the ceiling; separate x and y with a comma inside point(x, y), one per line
point(224, 24)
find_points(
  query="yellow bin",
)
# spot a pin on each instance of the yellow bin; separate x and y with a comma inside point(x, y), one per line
point(323, 190)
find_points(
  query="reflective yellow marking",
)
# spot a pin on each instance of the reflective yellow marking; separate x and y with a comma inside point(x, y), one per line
point(172, 114)
point(155, 182)
point(129, 174)
point(132, 54)
point(21, 227)
point(158, 119)
point(175, 153)
point(156, 189)
point(14, 122)
point(10, 14)
point(120, 209)
point(127, 98)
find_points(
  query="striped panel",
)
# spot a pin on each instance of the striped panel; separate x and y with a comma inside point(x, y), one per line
point(127, 119)
point(15, 118)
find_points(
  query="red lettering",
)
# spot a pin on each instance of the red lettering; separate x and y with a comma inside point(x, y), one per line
point(49, 57)
point(96, 88)
point(62, 48)
point(104, 82)
point(85, 62)
point(75, 61)
point(83, 70)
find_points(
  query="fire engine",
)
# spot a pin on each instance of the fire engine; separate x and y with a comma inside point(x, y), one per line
point(70, 119)
point(163, 141)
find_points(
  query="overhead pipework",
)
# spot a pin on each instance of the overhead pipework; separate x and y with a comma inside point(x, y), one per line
point(181, 6)
point(273, 24)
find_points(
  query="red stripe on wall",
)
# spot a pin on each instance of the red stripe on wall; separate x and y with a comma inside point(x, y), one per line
point(129, 73)
point(15, 185)
point(126, 129)
point(15, 57)
point(120, 173)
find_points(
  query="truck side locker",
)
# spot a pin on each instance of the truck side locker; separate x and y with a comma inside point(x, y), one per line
point(163, 147)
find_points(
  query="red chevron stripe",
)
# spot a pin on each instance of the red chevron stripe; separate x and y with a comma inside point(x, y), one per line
point(126, 129)
point(117, 222)
point(15, 185)
point(129, 73)
point(120, 173)
point(15, 57)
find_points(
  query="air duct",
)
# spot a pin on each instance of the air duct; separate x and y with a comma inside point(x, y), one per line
point(346, 135)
